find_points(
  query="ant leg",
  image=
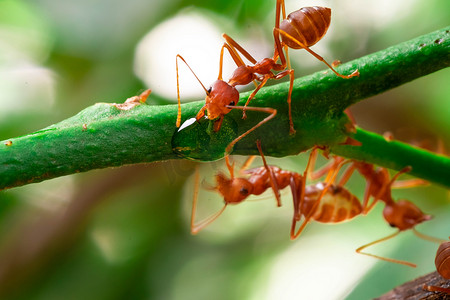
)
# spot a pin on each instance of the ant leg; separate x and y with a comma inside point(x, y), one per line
point(294, 234)
point(333, 172)
point(195, 198)
point(234, 55)
point(280, 75)
point(394, 178)
point(285, 34)
point(409, 183)
point(309, 166)
point(196, 228)
point(291, 86)
point(427, 237)
point(347, 174)
point(359, 250)
point(313, 175)
point(268, 110)
point(236, 47)
point(366, 208)
point(230, 166)
point(178, 123)
point(276, 35)
point(284, 59)
point(273, 182)
point(247, 163)
point(309, 171)
point(278, 53)
point(280, 4)
point(252, 95)
point(432, 288)
point(331, 177)
point(294, 190)
point(311, 162)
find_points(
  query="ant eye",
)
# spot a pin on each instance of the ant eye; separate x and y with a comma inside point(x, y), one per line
point(209, 90)
point(392, 225)
point(232, 103)
point(243, 191)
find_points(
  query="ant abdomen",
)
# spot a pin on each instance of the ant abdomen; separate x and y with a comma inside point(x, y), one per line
point(307, 25)
point(442, 260)
point(337, 203)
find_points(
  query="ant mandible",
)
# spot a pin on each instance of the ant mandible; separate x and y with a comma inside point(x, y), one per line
point(300, 30)
point(442, 263)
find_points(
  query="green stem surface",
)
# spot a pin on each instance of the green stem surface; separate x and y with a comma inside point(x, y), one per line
point(104, 136)
point(397, 155)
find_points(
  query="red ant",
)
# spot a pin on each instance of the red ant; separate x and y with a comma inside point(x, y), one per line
point(402, 214)
point(306, 199)
point(220, 99)
point(300, 30)
point(442, 263)
point(236, 189)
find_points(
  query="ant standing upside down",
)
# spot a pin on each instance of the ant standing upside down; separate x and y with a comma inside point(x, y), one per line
point(401, 214)
point(313, 202)
point(325, 201)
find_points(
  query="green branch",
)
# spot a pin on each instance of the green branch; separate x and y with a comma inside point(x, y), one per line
point(397, 155)
point(104, 135)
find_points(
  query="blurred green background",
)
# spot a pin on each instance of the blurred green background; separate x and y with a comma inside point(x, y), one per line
point(124, 233)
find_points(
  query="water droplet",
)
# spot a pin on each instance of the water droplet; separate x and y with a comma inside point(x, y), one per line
point(196, 140)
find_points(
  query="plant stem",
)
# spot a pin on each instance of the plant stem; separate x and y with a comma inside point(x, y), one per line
point(397, 155)
point(104, 136)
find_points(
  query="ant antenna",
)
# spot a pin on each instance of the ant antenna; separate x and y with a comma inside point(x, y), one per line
point(402, 262)
point(178, 87)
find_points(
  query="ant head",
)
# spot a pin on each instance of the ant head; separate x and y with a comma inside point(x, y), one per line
point(234, 190)
point(404, 215)
point(219, 96)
